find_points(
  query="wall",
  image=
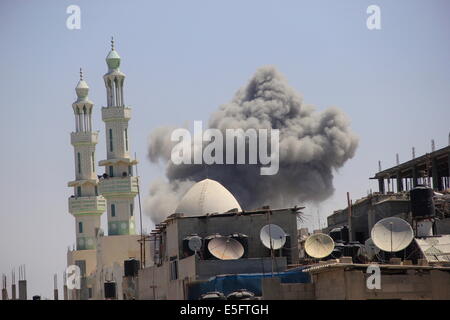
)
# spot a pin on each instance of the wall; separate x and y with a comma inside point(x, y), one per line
point(249, 225)
point(273, 289)
point(208, 268)
point(405, 285)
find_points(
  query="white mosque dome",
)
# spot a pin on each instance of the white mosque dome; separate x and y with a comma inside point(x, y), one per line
point(207, 196)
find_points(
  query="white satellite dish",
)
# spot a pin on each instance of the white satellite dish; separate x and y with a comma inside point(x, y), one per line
point(319, 245)
point(225, 248)
point(272, 236)
point(195, 243)
point(392, 234)
point(371, 249)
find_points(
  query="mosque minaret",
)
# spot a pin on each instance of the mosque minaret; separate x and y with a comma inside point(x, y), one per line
point(100, 257)
point(118, 186)
point(86, 205)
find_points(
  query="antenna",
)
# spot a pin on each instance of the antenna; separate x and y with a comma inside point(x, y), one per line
point(142, 242)
point(319, 245)
point(272, 236)
point(392, 234)
point(225, 248)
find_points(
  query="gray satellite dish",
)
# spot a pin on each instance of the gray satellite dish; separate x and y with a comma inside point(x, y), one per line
point(195, 243)
point(225, 248)
point(272, 236)
point(371, 249)
point(392, 234)
point(319, 245)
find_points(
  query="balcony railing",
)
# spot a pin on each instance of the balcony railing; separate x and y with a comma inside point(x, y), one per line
point(79, 205)
point(118, 185)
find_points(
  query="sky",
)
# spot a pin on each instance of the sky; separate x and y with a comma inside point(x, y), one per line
point(182, 60)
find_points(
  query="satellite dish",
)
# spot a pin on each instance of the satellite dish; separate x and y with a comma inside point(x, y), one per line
point(195, 243)
point(272, 236)
point(392, 234)
point(319, 245)
point(225, 248)
point(371, 249)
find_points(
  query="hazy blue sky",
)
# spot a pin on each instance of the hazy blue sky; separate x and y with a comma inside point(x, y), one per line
point(182, 60)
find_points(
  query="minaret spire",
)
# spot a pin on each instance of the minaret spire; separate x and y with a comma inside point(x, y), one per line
point(112, 43)
point(81, 74)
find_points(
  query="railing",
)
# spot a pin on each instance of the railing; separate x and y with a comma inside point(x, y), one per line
point(118, 185)
point(95, 204)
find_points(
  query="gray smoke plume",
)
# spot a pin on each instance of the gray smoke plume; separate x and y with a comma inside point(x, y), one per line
point(312, 145)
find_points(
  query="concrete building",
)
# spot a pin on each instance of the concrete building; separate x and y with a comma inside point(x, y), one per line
point(369, 210)
point(431, 169)
point(348, 281)
point(393, 199)
point(206, 210)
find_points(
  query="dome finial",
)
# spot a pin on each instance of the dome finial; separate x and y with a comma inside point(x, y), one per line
point(113, 58)
point(81, 74)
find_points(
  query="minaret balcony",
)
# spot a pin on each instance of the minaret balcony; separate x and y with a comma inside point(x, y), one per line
point(116, 113)
point(118, 186)
point(84, 138)
point(86, 205)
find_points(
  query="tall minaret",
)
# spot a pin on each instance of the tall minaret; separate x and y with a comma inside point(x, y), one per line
point(85, 205)
point(118, 186)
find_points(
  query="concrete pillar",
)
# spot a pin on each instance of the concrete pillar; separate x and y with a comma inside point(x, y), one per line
point(13, 292)
point(448, 164)
point(399, 182)
point(55, 294)
point(4, 294)
point(381, 185)
point(66, 295)
point(436, 179)
point(414, 178)
point(22, 289)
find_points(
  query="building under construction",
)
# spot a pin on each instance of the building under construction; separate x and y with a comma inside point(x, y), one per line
point(393, 196)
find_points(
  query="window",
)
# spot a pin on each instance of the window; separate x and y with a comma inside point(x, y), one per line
point(110, 140)
point(78, 191)
point(96, 190)
point(79, 162)
point(126, 139)
point(111, 171)
point(113, 210)
point(80, 227)
point(130, 170)
point(93, 162)
point(131, 209)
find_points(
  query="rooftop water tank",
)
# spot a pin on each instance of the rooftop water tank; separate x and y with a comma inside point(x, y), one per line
point(422, 203)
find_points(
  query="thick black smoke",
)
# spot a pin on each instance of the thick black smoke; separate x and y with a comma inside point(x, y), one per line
point(312, 145)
